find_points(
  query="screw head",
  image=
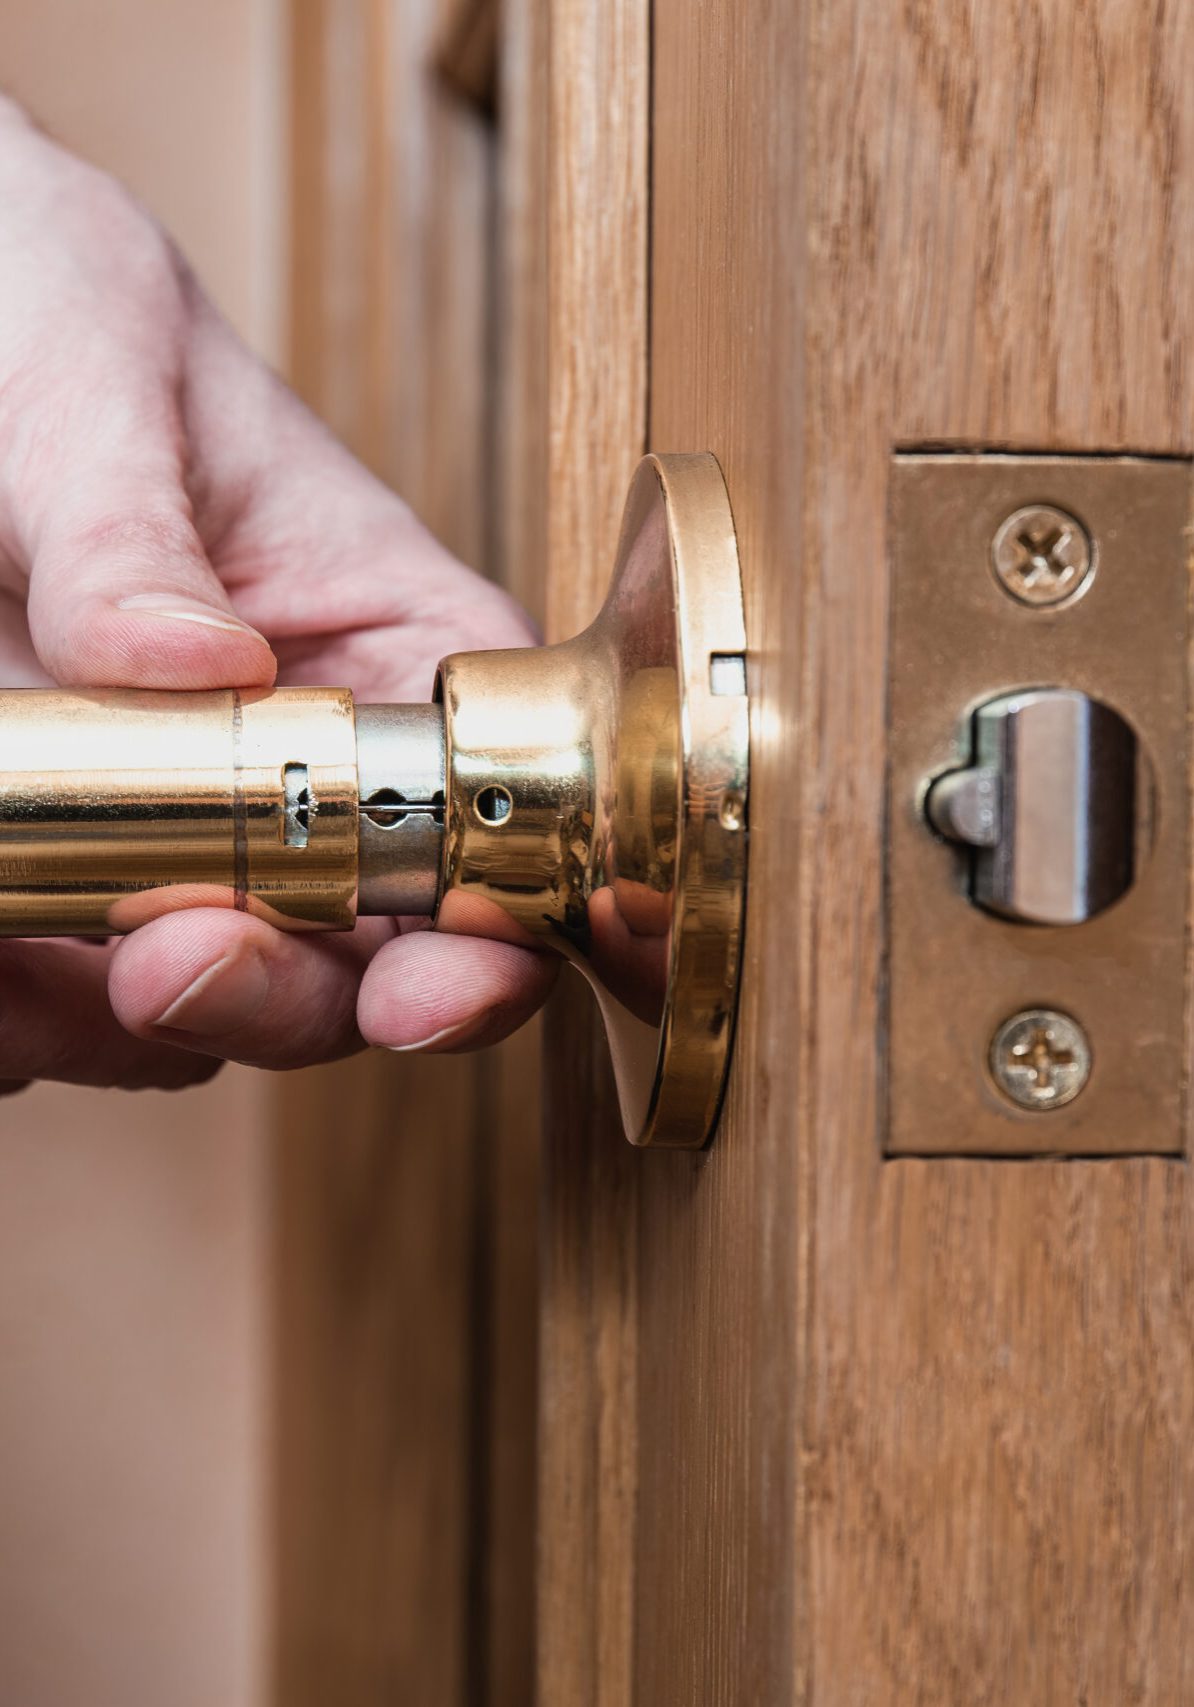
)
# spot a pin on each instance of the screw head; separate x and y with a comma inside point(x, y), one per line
point(1042, 556)
point(1040, 1058)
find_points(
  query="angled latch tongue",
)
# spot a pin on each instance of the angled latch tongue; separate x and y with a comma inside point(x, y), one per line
point(1048, 805)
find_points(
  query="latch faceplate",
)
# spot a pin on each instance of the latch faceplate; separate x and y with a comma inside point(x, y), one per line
point(1038, 842)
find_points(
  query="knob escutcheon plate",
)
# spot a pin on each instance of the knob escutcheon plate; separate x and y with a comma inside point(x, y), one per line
point(596, 799)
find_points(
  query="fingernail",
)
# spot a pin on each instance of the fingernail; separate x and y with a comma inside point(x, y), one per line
point(224, 996)
point(173, 607)
point(449, 1032)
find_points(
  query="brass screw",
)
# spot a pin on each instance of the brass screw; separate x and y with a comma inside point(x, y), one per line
point(1043, 556)
point(1040, 1058)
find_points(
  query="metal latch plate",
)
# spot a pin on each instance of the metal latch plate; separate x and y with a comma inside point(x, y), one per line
point(954, 973)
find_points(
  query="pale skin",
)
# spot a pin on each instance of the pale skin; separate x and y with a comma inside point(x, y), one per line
point(171, 516)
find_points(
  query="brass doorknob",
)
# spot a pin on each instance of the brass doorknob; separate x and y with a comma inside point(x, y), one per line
point(588, 797)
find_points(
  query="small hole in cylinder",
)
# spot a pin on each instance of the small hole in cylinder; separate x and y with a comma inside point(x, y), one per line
point(493, 804)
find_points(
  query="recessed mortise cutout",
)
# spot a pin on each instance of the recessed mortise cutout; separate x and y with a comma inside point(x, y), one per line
point(1052, 805)
point(727, 673)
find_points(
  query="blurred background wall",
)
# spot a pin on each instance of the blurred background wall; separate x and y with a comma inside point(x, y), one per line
point(267, 1349)
point(134, 1367)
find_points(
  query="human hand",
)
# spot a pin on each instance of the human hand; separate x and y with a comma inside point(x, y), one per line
point(172, 517)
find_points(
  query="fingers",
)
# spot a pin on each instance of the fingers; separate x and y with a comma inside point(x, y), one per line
point(446, 993)
point(56, 1023)
point(229, 985)
point(127, 600)
point(121, 592)
point(95, 512)
point(338, 570)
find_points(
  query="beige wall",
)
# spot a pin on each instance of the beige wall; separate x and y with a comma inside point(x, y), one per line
point(133, 1229)
point(184, 100)
point(131, 1402)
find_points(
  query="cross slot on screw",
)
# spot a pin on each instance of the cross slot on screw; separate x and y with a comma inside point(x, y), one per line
point(1042, 556)
point(1040, 1059)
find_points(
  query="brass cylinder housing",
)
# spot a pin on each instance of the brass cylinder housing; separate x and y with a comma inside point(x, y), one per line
point(588, 797)
point(117, 807)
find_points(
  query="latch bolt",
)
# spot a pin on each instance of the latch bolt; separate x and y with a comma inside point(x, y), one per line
point(1048, 805)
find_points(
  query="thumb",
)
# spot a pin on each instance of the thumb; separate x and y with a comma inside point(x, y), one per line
point(121, 591)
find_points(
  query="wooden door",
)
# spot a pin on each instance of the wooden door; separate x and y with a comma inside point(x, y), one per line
point(819, 1427)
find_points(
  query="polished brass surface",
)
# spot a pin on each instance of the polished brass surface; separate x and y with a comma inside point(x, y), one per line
point(588, 797)
point(116, 807)
point(596, 799)
point(954, 971)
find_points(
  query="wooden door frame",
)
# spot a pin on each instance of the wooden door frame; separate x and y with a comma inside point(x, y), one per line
point(598, 204)
point(817, 1422)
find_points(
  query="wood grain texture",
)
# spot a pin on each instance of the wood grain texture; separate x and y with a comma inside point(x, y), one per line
point(407, 1190)
point(924, 1431)
point(381, 1472)
point(375, 1383)
point(511, 1112)
point(596, 317)
point(722, 1235)
point(521, 441)
point(997, 1416)
point(597, 199)
point(340, 332)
